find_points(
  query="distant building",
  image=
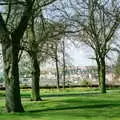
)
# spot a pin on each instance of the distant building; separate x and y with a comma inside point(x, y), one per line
point(74, 76)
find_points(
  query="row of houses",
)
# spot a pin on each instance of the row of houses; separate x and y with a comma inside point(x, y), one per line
point(74, 76)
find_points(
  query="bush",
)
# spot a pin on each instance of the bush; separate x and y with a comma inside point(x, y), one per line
point(86, 83)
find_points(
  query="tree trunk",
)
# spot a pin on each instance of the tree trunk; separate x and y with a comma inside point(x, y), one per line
point(10, 50)
point(64, 66)
point(57, 74)
point(101, 75)
point(98, 71)
point(10, 57)
point(35, 78)
point(57, 68)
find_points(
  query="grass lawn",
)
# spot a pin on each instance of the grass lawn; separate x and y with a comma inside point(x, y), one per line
point(88, 105)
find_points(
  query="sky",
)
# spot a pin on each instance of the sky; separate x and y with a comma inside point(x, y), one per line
point(80, 55)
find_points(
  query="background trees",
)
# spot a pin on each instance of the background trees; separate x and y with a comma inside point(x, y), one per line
point(97, 22)
point(23, 26)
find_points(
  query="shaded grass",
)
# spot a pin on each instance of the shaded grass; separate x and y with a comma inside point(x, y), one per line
point(26, 93)
point(85, 106)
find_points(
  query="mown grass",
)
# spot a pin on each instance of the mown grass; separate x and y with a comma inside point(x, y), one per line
point(83, 105)
point(26, 93)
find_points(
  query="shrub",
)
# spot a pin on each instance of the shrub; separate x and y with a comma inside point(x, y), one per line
point(86, 83)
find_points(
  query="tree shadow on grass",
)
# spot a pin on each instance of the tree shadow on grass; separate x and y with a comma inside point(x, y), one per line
point(89, 112)
point(89, 93)
point(75, 107)
point(72, 94)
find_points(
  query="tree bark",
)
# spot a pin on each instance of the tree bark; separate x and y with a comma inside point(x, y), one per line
point(10, 50)
point(98, 72)
point(57, 68)
point(35, 78)
point(10, 57)
point(102, 75)
point(64, 66)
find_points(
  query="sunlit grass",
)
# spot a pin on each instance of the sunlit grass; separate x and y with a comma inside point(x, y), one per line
point(86, 106)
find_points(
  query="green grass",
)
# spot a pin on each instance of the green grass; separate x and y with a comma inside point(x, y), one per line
point(26, 93)
point(88, 105)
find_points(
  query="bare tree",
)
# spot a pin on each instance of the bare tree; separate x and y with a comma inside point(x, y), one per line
point(10, 51)
point(10, 38)
point(97, 22)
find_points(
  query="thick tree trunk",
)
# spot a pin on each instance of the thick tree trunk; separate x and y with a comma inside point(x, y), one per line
point(98, 71)
point(10, 50)
point(10, 57)
point(101, 75)
point(35, 78)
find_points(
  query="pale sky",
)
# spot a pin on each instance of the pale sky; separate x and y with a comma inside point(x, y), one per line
point(80, 55)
